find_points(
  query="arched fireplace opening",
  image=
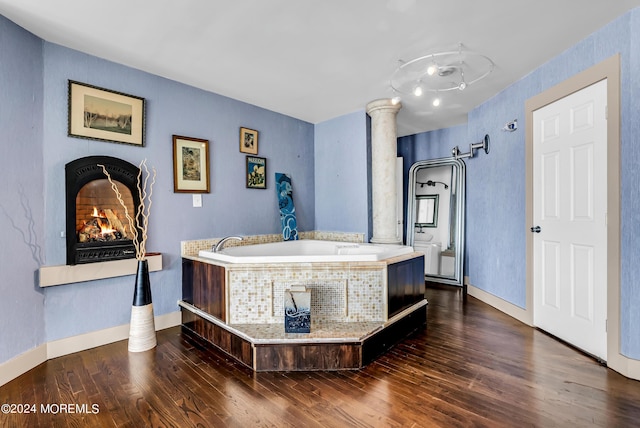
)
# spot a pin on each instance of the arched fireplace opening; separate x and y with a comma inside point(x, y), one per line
point(97, 228)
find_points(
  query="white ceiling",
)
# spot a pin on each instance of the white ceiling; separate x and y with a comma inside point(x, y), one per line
point(318, 59)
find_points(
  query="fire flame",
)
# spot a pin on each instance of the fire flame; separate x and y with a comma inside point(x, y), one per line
point(105, 228)
point(101, 225)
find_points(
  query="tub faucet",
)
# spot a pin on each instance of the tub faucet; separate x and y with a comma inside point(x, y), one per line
point(217, 247)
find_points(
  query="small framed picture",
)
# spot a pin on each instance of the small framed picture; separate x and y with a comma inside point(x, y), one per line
point(248, 141)
point(256, 172)
point(190, 165)
point(100, 114)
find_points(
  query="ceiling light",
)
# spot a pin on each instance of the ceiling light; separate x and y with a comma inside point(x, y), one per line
point(436, 102)
point(441, 72)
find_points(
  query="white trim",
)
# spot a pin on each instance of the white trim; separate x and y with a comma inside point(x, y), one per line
point(66, 274)
point(625, 366)
point(21, 364)
point(81, 342)
point(500, 304)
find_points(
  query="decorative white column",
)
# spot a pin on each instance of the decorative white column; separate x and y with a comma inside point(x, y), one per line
point(383, 170)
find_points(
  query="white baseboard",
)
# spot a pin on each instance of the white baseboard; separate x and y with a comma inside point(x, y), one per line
point(626, 366)
point(24, 362)
point(500, 304)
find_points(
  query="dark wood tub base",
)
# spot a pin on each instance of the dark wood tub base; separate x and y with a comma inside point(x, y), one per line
point(297, 353)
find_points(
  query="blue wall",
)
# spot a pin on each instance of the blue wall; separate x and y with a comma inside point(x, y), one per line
point(630, 197)
point(342, 173)
point(33, 115)
point(496, 229)
point(21, 204)
point(230, 208)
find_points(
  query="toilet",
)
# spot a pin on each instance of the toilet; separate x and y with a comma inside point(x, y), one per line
point(431, 252)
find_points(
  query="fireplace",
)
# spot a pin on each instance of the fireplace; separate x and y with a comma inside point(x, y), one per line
point(97, 228)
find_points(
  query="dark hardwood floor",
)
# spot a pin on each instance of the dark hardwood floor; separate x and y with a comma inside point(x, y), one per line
point(473, 366)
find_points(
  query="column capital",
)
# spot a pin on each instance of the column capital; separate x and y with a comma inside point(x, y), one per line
point(386, 104)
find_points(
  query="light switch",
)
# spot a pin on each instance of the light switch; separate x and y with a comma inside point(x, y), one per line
point(197, 200)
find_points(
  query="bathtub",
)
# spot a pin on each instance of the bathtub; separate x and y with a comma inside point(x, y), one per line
point(306, 251)
point(364, 298)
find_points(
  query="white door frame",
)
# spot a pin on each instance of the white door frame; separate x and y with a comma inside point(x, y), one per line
point(608, 69)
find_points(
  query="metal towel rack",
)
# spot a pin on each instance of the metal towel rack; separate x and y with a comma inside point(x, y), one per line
point(484, 144)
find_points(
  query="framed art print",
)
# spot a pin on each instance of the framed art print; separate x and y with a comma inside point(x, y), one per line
point(100, 114)
point(256, 172)
point(248, 141)
point(190, 165)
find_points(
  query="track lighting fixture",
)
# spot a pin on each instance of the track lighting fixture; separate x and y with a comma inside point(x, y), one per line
point(440, 72)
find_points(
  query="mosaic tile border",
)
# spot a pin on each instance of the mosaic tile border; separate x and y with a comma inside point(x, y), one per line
point(328, 298)
point(250, 291)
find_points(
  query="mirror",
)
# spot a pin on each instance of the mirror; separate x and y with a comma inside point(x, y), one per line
point(436, 191)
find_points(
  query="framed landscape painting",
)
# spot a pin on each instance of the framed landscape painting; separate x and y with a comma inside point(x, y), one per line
point(190, 165)
point(100, 114)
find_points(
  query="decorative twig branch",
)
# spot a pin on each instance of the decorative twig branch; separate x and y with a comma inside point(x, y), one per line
point(141, 222)
point(28, 233)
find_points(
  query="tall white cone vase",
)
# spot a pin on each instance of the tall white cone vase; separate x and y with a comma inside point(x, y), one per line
point(142, 329)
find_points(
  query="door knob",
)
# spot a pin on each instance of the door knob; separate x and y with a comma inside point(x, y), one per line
point(536, 229)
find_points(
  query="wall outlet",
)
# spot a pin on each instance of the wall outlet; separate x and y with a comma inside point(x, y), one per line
point(197, 201)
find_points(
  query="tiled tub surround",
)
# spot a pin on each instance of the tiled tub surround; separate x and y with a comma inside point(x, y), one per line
point(340, 291)
point(351, 306)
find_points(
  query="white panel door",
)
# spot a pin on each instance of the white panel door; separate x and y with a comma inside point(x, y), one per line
point(570, 200)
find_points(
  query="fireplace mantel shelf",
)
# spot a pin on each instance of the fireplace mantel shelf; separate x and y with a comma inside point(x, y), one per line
point(65, 274)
